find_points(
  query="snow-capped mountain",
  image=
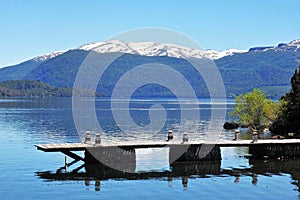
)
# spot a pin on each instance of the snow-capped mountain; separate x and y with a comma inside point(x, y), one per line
point(48, 56)
point(170, 50)
point(238, 69)
point(156, 49)
point(292, 46)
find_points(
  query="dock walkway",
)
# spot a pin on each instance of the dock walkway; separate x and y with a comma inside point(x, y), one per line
point(179, 152)
point(137, 145)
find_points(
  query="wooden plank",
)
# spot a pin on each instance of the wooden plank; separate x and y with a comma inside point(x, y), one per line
point(260, 149)
point(157, 144)
point(61, 147)
point(72, 155)
point(221, 143)
point(229, 143)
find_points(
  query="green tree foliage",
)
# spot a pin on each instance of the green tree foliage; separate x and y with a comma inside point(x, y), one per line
point(288, 119)
point(255, 110)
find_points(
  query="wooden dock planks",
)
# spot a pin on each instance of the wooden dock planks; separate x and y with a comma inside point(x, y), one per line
point(158, 144)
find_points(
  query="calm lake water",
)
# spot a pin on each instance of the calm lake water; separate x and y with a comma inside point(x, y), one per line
point(27, 173)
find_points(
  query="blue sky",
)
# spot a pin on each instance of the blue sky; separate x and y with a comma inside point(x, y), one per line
point(30, 28)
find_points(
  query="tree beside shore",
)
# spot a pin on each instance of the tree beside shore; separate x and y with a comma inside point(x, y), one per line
point(288, 119)
point(254, 110)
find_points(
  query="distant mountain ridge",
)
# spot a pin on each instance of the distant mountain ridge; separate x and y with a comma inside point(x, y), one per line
point(48, 56)
point(156, 49)
point(267, 68)
point(159, 49)
point(292, 46)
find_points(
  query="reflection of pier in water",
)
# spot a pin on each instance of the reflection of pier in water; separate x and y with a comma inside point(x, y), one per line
point(183, 170)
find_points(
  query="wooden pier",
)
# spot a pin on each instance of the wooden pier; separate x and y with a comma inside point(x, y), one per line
point(121, 153)
point(137, 145)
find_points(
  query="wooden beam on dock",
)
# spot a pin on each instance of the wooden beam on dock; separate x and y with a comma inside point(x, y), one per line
point(158, 144)
point(189, 151)
point(62, 147)
point(72, 155)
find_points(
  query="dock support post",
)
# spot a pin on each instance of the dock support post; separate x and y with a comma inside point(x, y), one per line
point(114, 157)
point(275, 150)
point(66, 163)
point(72, 155)
point(97, 185)
point(185, 153)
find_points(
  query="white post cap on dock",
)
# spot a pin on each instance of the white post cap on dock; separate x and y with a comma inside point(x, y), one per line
point(254, 136)
point(170, 135)
point(236, 134)
point(87, 138)
point(185, 138)
point(97, 139)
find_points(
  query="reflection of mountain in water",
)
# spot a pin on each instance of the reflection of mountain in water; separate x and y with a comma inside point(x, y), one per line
point(185, 171)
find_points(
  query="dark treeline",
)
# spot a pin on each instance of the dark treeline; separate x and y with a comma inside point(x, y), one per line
point(31, 88)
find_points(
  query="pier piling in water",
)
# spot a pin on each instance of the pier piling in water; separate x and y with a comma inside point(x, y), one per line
point(275, 151)
point(122, 159)
point(186, 153)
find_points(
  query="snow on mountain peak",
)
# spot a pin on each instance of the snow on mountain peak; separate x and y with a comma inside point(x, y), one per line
point(291, 46)
point(155, 49)
point(229, 52)
point(295, 42)
point(171, 50)
point(48, 56)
